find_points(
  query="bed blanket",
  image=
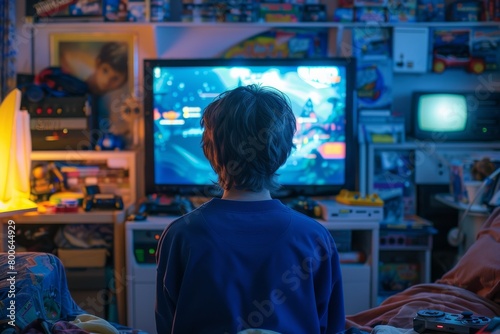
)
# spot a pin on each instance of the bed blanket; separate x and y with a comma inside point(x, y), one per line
point(41, 290)
point(400, 309)
point(472, 284)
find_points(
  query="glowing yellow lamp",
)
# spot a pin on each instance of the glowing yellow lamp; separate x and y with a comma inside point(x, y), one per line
point(15, 157)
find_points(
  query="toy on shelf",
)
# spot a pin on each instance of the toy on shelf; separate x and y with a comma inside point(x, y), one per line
point(451, 49)
point(282, 43)
point(374, 84)
point(402, 11)
point(344, 11)
point(370, 14)
point(110, 142)
point(370, 44)
point(355, 198)
point(63, 11)
point(430, 11)
point(279, 12)
point(314, 13)
point(485, 44)
point(342, 14)
point(46, 179)
point(465, 11)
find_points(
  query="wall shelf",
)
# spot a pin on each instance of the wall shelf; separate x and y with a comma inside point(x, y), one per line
point(269, 25)
point(13, 213)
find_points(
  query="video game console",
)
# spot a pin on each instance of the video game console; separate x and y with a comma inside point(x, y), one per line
point(162, 205)
point(307, 206)
point(102, 201)
point(439, 321)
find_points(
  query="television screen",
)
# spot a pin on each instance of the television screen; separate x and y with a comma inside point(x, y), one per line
point(442, 112)
point(320, 92)
point(456, 116)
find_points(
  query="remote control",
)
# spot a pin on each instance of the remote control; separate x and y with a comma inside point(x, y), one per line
point(438, 321)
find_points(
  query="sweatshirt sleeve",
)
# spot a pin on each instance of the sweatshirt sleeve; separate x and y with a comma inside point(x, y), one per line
point(165, 306)
point(336, 312)
point(333, 321)
point(165, 310)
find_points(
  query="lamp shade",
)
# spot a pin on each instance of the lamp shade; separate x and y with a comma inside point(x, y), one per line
point(15, 153)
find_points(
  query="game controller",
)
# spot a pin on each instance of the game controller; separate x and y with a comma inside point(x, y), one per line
point(307, 206)
point(102, 201)
point(439, 321)
point(163, 205)
point(492, 328)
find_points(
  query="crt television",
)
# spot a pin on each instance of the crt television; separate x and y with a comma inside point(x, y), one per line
point(321, 95)
point(456, 116)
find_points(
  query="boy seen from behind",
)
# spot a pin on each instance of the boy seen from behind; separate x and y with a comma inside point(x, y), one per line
point(246, 260)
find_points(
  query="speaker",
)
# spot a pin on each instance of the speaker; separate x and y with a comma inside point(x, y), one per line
point(62, 123)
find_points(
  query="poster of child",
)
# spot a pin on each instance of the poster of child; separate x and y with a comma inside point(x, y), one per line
point(106, 65)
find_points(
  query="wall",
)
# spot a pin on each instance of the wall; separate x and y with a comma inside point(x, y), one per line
point(208, 41)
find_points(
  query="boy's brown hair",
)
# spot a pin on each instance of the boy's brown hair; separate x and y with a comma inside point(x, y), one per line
point(248, 135)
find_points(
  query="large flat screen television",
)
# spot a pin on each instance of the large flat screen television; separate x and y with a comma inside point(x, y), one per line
point(321, 93)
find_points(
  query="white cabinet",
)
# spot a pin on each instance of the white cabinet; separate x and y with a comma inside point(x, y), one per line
point(141, 239)
point(360, 280)
point(404, 257)
point(420, 170)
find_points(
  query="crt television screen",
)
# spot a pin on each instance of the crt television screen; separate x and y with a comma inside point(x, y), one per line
point(442, 112)
point(320, 92)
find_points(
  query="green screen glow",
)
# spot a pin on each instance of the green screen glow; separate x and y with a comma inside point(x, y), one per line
point(442, 112)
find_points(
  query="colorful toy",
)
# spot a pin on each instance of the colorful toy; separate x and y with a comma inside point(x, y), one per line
point(343, 15)
point(485, 44)
point(374, 81)
point(279, 12)
point(451, 49)
point(46, 179)
point(456, 55)
point(370, 3)
point(110, 142)
point(402, 11)
point(354, 198)
point(373, 43)
point(430, 11)
point(370, 14)
point(465, 10)
point(314, 13)
point(281, 43)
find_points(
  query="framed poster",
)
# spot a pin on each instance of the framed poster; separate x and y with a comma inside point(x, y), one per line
point(107, 62)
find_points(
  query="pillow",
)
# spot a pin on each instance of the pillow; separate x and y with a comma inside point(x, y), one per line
point(479, 268)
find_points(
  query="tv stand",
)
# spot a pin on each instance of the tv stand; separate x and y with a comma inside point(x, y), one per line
point(156, 204)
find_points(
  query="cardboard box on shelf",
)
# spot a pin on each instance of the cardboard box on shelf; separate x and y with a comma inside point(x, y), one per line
point(64, 10)
point(82, 258)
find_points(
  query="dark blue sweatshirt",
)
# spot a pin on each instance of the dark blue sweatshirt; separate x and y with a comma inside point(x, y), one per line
point(232, 265)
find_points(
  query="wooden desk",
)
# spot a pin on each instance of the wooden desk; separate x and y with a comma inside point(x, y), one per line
point(115, 217)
